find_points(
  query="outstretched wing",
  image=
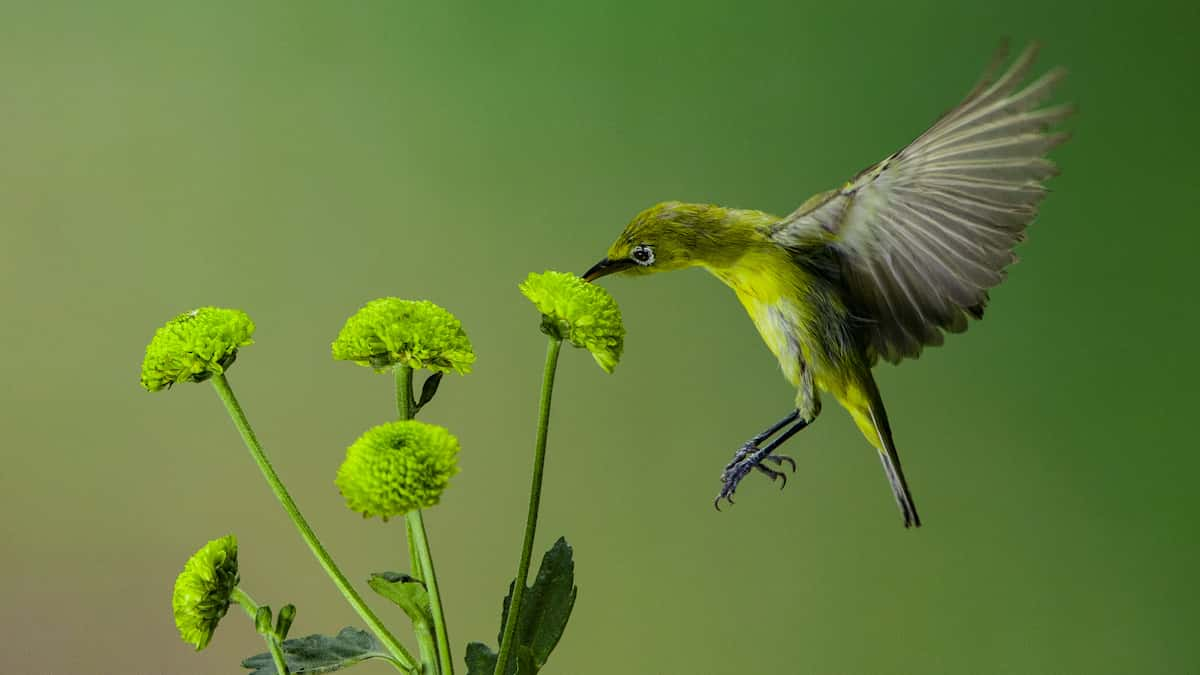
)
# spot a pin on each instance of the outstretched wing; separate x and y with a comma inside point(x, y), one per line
point(921, 236)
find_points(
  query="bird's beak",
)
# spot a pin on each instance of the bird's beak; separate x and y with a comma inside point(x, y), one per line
point(606, 267)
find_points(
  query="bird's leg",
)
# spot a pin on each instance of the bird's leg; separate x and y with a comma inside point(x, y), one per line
point(734, 474)
point(752, 444)
point(751, 456)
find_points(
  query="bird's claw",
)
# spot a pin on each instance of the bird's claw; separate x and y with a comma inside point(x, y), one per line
point(773, 475)
point(747, 458)
point(717, 501)
point(751, 456)
point(780, 460)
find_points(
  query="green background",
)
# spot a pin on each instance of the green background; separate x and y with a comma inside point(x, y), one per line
point(296, 159)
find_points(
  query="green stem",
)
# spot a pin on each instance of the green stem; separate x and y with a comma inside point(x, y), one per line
point(404, 392)
point(535, 498)
point(418, 542)
point(404, 659)
point(414, 558)
point(421, 544)
point(243, 598)
point(277, 654)
point(428, 648)
point(246, 602)
point(423, 631)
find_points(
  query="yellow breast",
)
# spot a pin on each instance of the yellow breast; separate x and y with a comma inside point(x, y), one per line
point(771, 288)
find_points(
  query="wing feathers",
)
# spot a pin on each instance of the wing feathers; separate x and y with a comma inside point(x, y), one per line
point(982, 115)
point(1012, 147)
point(1010, 80)
point(924, 234)
point(1009, 170)
point(1026, 122)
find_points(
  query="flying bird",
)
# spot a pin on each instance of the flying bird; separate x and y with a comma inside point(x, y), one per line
point(878, 268)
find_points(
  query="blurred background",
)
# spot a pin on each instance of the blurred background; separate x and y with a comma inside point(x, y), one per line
point(296, 159)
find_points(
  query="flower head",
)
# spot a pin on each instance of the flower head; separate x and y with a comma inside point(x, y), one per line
point(397, 467)
point(203, 590)
point(415, 333)
point(581, 312)
point(194, 346)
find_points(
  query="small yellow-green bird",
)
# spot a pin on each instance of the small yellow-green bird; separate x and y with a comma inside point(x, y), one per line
point(877, 268)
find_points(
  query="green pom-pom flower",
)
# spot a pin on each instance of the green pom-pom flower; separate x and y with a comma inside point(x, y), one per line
point(414, 333)
point(194, 346)
point(581, 312)
point(203, 590)
point(397, 467)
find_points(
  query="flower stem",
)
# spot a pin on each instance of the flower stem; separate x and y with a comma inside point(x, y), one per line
point(535, 498)
point(243, 598)
point(422, 629)
point(418, 543)
point(247, 603)
point(424, 633)
point(404, 659)
point(414, 558)
point(421, 543)
point(404, 391)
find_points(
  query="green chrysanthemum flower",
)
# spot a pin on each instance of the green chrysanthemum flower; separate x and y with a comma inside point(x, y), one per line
point(397, 467)
point(203, 590)
point(581, 312)
point(415, 333)
point(194, 346)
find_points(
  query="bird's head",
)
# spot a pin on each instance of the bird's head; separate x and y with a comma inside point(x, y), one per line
point(669, 236)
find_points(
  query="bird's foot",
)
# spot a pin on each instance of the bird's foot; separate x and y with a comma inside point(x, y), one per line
point(747, 458)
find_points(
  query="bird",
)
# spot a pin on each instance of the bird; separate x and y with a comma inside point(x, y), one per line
point(876, 269)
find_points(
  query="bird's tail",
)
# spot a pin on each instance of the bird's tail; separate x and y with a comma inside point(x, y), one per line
point(868, 411)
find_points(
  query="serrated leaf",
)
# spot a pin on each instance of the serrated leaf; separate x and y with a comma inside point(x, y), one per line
point(545, 609)
point(546, 606)
point(321, 653)
point(481, 660)
point(407, 592)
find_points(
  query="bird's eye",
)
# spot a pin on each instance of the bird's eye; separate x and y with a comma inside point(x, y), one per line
point(643, 254)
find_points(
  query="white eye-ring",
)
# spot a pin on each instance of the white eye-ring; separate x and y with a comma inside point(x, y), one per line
point(643, 254)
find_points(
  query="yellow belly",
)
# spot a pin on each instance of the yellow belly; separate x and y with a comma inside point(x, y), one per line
point(778, 296)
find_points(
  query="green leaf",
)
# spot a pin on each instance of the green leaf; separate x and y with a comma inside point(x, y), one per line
point(429, 390)
point(407, 592)
point(525, 661)
point(547, 604)
point(321, 653)
point(481, 660)
point(545, 609)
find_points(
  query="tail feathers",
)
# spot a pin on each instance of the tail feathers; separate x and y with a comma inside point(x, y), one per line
point(895, 476)
point(888, 455)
